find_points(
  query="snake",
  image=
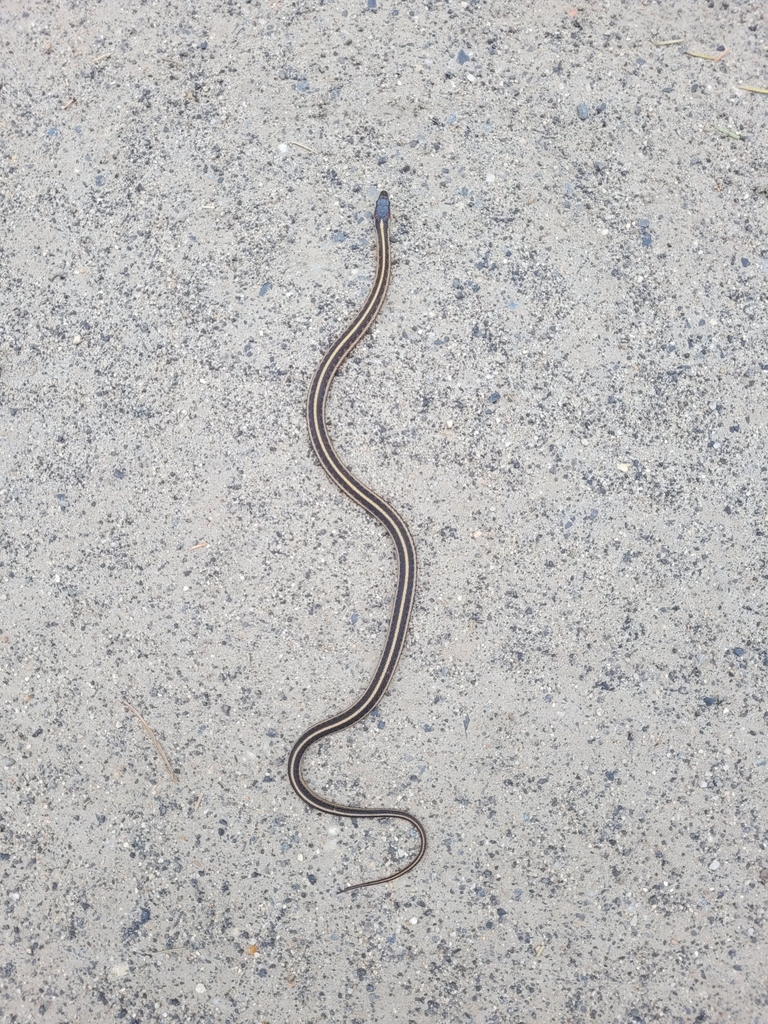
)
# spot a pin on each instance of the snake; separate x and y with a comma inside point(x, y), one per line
point(397, 529)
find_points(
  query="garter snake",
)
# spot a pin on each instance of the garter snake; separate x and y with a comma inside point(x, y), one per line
point(383, 512)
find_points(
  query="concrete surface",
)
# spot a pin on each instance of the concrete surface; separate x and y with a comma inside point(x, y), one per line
point(566, 398)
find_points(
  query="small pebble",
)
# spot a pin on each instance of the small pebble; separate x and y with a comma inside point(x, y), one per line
point(283, 148)
point(714, 865)
point(583, 111)
point(200, 989)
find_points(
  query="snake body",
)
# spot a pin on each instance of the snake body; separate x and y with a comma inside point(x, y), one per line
point(405, 550)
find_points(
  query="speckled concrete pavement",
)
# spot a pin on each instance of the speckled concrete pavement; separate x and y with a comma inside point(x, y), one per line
point(566, 398)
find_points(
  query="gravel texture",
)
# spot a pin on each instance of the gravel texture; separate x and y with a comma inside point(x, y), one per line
point(566, 396)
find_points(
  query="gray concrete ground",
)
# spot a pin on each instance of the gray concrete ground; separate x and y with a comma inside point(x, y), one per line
point(566, 398)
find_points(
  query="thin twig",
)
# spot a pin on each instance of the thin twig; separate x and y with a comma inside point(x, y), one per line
point(103, 56)
point(158, 746)
point(203, 543)
point(753, 88)
point(707, 56)
point(170, 949)
point(728, 132)
point(69, 103)
point(666, 42)
point(197, 805)
point(301, 145)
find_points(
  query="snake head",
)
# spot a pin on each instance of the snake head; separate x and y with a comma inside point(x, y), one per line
point(382, 208)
